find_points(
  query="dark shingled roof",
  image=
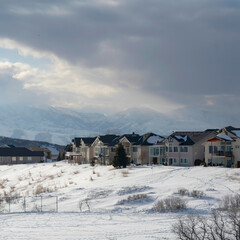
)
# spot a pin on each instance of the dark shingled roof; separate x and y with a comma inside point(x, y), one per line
point(192, 137)
point(132, 138)
point(109, 139)
point(20, 152)
point(86, 140)
point(231, 129)
point(144, 139)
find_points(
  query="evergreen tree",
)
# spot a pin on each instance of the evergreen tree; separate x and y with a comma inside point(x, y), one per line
point(120, 158)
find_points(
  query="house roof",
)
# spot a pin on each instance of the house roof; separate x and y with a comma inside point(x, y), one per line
point(190, 138)
point(20, 152)
point(149, 139)
point(132, 138)
point(109, 139)
point(86, 140)
point(233, 130)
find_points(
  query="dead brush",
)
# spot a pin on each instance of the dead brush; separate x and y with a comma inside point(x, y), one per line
point(124, 173)
point(75, 172)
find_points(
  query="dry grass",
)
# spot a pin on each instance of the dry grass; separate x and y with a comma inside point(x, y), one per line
point(124, 173)
point(170, 204)
point(76, 172)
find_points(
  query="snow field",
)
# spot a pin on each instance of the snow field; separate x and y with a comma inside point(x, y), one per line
point(115, 203)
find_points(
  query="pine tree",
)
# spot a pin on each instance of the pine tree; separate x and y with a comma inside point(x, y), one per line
point(120, 158)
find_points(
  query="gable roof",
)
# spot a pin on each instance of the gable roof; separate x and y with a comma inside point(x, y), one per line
point(20, 152)
point(149, 139)
point(132, 138)
point(86, 140)
point(190, 138)
point(109, 139)
point(233, 130)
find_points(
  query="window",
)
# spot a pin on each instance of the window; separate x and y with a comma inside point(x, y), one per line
point(175, 160)
point(228, 146)
point(213, 149)
point(183, 149)
point(166, 149)
point(29, 158)
point(14, 159)
point(135, 149)
point(154, 151)
point(170, 147)
point(112, 149)
point(162, 150)
point(184, 160)
point(135, 160)
point(20, 158)
point(175, 149)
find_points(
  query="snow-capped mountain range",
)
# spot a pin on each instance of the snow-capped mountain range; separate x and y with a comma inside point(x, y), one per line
point(59, 125)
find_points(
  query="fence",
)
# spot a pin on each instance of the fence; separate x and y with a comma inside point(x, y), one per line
point(29, 204)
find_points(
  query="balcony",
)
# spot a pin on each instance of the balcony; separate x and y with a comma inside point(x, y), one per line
point(223, 154)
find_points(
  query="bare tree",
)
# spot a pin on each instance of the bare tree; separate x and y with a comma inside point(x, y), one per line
point(223, 224)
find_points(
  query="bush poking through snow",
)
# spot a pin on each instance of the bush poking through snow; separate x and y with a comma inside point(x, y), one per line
point(40, 189)
point(124, 173)
point(133, 198)
point(193, 193)
point(84, 204)
point(132, 189)
point(170, 204)
point(230, 203)
point(183, 192)
point(197, 194)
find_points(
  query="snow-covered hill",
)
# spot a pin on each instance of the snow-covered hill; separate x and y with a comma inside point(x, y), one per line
point(58, 125)
point(98, 202)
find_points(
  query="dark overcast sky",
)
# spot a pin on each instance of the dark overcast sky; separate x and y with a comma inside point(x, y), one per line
point(113, 55)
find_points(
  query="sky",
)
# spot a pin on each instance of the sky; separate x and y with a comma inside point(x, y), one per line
point(110, 55)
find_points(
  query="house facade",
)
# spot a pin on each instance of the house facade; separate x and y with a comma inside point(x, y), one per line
point(223, 149)
point(101, 149)
point(185, 148)
point(19, 155)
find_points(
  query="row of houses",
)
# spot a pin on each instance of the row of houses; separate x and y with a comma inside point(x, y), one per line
point(10, 154)
point(213, 147)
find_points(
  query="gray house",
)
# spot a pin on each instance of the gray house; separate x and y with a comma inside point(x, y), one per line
point(19, 155)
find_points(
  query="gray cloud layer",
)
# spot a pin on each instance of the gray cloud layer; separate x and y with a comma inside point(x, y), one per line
point(181, 50)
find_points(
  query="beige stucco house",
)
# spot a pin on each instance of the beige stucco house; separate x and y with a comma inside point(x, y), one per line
point(184, 148)
point(223, 148)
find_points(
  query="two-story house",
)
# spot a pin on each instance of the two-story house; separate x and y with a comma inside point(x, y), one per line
point(186, 148)
point(223, 149)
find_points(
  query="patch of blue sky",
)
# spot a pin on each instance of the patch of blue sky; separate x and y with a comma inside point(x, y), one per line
point(14, 56)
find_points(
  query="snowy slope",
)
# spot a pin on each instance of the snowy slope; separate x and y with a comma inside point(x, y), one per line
point(58, 125)
point(106, 190)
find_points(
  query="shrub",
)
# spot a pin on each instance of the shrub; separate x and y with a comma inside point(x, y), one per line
point(183, 191)
point(230, 202)
point(124, 173)
point(133, 198)
point(170, 204)
point(197, 194)
point(219, 226)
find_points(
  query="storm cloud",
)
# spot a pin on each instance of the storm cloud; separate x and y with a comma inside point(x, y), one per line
point(157, 52)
